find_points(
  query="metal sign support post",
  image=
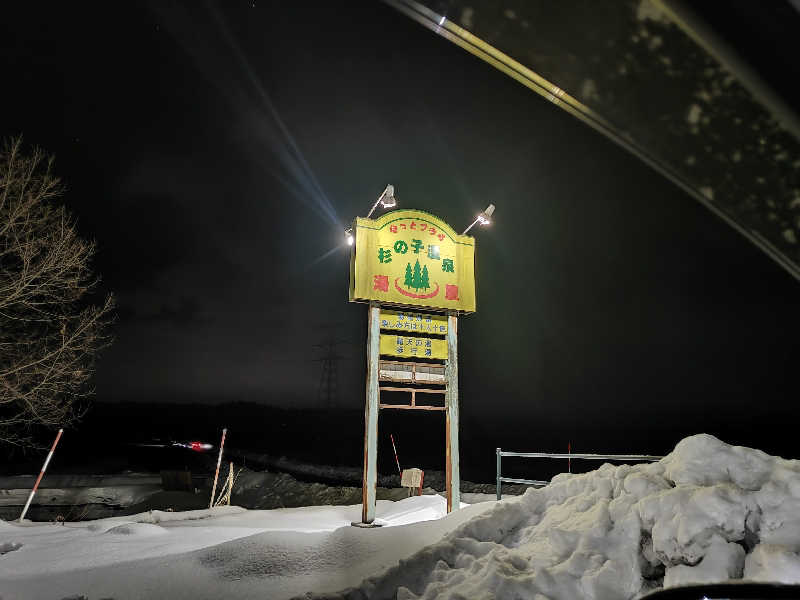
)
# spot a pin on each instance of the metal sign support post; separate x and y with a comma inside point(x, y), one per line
point(453, 474)
point(371, 418)
point(409, 260)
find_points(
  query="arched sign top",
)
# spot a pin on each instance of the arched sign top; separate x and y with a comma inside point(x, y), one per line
point(422, 216)
point(412, 258)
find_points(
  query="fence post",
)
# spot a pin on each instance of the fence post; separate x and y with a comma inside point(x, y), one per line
point(499, 456)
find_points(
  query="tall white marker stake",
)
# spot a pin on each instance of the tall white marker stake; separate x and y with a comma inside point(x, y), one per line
point(216, 474)
point(41, 474)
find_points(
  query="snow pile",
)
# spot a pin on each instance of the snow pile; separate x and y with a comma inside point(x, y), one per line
point(707, 512)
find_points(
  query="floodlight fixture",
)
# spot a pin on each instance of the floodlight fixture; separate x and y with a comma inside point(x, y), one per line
point(386, 199)
point(483, 218)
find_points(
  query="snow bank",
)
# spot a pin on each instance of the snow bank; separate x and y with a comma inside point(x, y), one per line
point(707, 512)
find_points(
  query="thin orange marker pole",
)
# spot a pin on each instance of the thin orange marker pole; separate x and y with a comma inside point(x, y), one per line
point(41, 474)
point(216, 474)
point(397, 460)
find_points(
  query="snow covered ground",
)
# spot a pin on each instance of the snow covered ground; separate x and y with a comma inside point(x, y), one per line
point(706, 512)
point(226, 552)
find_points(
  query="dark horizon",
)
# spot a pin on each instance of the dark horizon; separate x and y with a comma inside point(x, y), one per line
point(217, 153)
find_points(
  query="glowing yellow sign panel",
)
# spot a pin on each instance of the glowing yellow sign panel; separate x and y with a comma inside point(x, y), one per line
point(411, 322)
point(412, 347)
point(411, 258)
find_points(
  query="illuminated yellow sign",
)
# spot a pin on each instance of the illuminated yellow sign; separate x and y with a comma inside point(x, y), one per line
point(411, 258)
point(412, 347)
point(413, 322)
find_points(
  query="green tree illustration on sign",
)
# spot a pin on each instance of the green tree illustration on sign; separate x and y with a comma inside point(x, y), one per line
point(418, 278)
point(416, 281)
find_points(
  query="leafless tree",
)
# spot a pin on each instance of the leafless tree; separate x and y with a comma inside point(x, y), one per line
point(50, 328)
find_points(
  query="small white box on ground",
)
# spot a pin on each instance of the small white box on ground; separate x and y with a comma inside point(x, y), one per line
point(412, 478)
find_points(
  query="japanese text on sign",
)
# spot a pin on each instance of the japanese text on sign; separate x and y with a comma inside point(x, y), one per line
point(412, 347)
point(413, 322)
point(411, 258)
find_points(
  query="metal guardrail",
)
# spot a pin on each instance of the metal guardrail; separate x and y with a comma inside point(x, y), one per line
point(613, 457)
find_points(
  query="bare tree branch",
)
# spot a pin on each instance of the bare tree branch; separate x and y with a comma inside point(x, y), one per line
point(50, 332)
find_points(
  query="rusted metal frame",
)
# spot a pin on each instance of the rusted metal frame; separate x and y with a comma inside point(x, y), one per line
point(413, 392)
point(409, 362)
point(453, 471)
point(407, 389)
point(370, 476)
point(373, 405)
point(407, 407)
point(397, 362)
point(414, 366)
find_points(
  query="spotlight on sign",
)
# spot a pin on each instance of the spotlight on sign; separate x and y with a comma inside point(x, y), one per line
point(386, 199)
point(348, 236)
point(483, 218)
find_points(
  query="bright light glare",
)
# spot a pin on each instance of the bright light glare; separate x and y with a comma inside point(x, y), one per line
point(482, 218)
point(441, 21)
point(350, 240)
point(196, 446)
point(348, 236)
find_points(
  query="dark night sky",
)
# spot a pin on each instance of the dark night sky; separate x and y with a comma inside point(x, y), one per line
point(216, 153)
